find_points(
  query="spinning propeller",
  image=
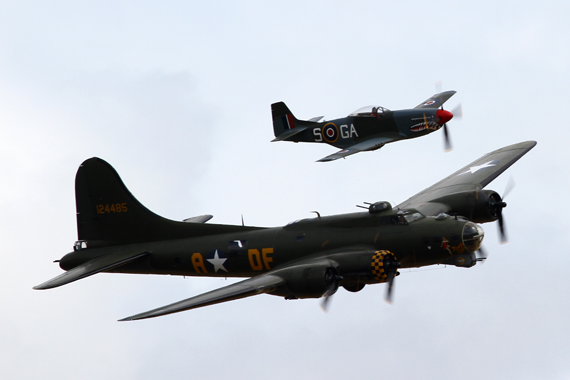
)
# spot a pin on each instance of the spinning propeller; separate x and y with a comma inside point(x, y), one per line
point(332, 280)
point(443, 116)
point(391, 266)
point(497, 204)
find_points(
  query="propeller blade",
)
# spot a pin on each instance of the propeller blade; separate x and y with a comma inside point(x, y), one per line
point(325, 303)
point(438, 86)
point(457, 111)
point(510, 185)
point(502, 229)
point(332, 279)
point(390, 286)
point(447, 140)
point(391, 266)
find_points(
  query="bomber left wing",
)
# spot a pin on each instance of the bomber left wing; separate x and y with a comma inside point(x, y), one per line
point(369, 144)
point(264, 283)
point(120, 256)
point(470, 178)
point(437, 100)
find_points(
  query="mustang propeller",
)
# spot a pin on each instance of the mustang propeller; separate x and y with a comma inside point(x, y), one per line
point(442, 117)
point(456, 112)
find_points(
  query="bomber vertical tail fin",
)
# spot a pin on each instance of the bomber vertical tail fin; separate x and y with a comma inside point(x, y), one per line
point(108, 214)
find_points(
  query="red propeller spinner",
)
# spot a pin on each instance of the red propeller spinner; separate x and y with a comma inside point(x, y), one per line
point(443, 116)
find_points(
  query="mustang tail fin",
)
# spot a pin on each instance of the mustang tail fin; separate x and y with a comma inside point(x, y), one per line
point(108, 214)
point(287, 127)
point(283, 119)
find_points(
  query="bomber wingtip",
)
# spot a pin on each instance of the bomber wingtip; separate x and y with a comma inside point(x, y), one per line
point(42, 286)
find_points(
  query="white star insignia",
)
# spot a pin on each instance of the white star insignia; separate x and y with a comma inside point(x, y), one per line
point(475, 169)
point(217, 262)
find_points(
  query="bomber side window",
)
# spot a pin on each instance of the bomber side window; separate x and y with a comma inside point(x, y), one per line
point(237, 247)
point(413, 217)
point(79, 245)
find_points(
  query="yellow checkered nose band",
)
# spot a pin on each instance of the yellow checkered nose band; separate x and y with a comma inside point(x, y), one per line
point(378, 268)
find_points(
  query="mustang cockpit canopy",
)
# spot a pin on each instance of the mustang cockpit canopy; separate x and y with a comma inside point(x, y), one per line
point(369, 111)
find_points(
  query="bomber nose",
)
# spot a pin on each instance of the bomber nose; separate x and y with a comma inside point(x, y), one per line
point(472, 237)
point(443, 116)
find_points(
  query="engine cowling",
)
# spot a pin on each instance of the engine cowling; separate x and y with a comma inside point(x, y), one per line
point(308, 281)
point(478, 206)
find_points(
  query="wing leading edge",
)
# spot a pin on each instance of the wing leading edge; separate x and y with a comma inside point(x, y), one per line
point(264, 283)
point(370, 144)
point(472, 177)
point(436, 100)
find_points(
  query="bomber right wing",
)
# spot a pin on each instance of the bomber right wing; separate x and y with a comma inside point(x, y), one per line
point(275, 282)
point(252, 286)
point(472, 177)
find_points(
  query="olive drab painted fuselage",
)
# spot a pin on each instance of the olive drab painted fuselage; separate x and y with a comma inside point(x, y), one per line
point(421, 242)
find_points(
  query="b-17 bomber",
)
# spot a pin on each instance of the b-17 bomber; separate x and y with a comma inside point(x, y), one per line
point(309, 258)
point(366, 129)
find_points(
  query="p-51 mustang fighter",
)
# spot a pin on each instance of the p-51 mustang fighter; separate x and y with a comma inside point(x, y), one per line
point(309, 258)
point(368, 128)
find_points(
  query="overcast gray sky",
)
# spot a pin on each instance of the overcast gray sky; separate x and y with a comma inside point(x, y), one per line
point(176, 96)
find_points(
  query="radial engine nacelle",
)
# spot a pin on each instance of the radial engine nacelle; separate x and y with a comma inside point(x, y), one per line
point(479, 206)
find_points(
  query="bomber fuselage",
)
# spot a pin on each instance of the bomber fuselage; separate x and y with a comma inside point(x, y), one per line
point(349, 239)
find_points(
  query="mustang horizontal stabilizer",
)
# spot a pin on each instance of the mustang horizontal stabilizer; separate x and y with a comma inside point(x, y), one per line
point(289, 134)
point(250, 287)
point(437, 100)
point(472, 177)
point(107, 262)
point(370, 144)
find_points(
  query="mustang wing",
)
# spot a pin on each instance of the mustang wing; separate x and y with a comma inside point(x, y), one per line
point(369, 144)
point(472, 177)
point(437, 100)
point(260, 284)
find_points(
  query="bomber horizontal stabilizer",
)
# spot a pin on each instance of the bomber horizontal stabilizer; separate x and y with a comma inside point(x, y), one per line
point(199, 219)
point(290, 133)
point(102, 263)
point(370, 144)
point(256, 285)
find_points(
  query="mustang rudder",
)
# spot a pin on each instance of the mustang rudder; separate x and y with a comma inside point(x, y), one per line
point(283, 119)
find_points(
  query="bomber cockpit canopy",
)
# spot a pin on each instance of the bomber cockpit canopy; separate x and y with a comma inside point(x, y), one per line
point(371, 111)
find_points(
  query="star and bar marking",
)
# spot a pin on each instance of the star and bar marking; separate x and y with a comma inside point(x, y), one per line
point(475, 169)
point(217, 262)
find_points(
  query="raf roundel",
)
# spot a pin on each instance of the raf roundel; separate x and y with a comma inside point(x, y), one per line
point(330, 132)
